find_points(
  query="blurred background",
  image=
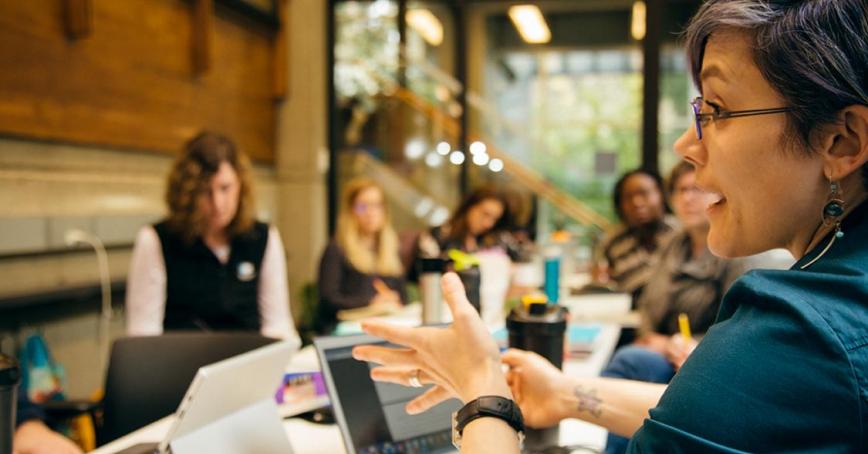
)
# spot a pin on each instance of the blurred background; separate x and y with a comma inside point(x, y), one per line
point(550, 99)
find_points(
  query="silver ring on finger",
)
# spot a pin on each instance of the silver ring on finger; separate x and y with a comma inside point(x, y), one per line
point(414, 379)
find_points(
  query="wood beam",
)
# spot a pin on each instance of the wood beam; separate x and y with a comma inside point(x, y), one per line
point(77, 18)
point(202, 35)
point(280, 84)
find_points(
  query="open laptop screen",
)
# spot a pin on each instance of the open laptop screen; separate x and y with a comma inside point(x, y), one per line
point(371, 415)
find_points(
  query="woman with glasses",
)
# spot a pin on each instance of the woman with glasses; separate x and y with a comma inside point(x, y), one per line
point(360, 266)
point(781, 141)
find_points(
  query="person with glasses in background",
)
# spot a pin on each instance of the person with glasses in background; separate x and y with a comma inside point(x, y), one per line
point(624, 254)
point(209, 265)
point(361, 266)
point(781, 142)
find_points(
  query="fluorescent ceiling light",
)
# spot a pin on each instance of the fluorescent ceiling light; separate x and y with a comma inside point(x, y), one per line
point(426, 25)
point(531, 24)
point(637, 25)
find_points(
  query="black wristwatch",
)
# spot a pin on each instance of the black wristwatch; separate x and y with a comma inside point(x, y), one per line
point(494, 406)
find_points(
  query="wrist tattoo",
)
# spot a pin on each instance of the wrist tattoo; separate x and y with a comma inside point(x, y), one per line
point(588, 401)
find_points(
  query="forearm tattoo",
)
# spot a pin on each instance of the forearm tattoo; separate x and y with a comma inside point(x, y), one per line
point(588, 401)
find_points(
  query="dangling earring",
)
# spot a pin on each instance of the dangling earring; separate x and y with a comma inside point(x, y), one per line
point(832, 212)
point(834, 209)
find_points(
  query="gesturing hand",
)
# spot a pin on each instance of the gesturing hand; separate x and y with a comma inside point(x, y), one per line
point(536, 384)
point(461, 360)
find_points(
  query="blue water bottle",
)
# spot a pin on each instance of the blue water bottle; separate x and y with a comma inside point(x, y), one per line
point(552, 286)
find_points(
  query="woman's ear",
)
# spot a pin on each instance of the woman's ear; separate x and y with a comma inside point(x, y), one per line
point(844, 145)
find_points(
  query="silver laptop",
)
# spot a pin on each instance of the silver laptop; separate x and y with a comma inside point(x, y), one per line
point(370, 414)
point(230, 407)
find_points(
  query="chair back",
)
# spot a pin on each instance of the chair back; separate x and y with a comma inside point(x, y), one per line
point(148, 376)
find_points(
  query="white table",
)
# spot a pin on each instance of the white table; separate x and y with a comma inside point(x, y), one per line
point(310, 438)
point(602, 307)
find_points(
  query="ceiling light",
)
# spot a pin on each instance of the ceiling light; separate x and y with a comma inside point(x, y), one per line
point(443, 148)
point(423, 207)
point(637, 26)
point(438, 216)
point(426, 25)
point(495, 165)
point(414, 149)
point(433, 160)
point(456, 157)
point(477, 148)
point(531, 24)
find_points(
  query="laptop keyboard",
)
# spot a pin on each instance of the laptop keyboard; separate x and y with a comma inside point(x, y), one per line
point(439, 442)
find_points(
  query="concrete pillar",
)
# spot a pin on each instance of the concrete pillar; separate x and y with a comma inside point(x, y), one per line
point(301, 153)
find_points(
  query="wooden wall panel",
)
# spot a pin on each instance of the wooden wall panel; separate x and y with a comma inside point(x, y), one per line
point(130, 83)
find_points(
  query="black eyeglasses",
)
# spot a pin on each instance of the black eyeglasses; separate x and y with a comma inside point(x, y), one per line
point(702, 118)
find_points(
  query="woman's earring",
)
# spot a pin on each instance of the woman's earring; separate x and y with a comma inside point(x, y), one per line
point(834, 209)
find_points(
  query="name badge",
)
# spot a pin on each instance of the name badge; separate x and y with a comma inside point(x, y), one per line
point(246, 271)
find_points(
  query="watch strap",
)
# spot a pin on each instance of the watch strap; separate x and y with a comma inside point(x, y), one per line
point(493, 406)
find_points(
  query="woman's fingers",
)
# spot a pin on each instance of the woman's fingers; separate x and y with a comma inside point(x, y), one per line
point(454, 294)
point(395, 357)
point(427, 400)
point(513, 357)
point(401, 375)
point(400, 335)
point(381, 286)
point(513, 380)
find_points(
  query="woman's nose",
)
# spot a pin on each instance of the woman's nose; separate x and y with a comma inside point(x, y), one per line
point(690, 148)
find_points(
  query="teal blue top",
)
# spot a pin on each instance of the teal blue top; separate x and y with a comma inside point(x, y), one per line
point(784, 368)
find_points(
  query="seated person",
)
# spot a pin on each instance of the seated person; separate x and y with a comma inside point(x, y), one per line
point(360, 266)
point(782, 369)
point(209, 265)
point(32, 436)
point(478, 223)
point(483, 220)
point(623, 254)
point(686, 278)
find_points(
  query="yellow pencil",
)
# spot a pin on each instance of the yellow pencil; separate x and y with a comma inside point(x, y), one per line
point(684, 327)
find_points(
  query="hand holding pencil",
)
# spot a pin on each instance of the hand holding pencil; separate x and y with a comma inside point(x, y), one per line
point(684, 327)
point(680, 345)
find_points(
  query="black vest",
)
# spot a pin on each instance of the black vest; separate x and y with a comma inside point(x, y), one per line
point(204, 294)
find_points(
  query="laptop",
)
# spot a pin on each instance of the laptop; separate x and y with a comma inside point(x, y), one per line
point(230, 407)
point(371, 415)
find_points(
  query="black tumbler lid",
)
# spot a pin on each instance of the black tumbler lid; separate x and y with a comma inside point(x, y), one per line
point(540, 318)
point(9, 371)
point(431, 265)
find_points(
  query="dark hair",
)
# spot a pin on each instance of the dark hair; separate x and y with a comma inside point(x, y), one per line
point(618, 196)
point(190, 176)
point(458, 222)
point(813, 52)
point(679, 170)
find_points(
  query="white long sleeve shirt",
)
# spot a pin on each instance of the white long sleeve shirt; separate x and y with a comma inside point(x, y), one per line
point(146, 288)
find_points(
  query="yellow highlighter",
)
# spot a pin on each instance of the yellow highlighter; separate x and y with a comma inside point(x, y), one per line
point(684, 327)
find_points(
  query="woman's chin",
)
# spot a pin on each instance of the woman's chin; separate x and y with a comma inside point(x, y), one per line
point(721, 245)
